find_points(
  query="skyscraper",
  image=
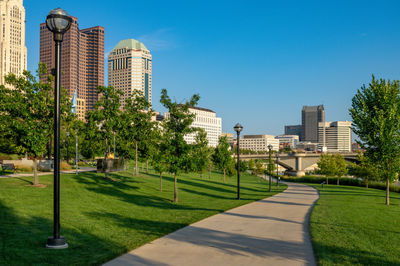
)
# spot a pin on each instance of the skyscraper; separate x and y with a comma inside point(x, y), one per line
point(310, 117)
point(129, 69)
point(82, 61)
point(13, 58)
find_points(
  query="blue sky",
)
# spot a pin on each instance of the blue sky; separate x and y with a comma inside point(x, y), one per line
point(253, 62)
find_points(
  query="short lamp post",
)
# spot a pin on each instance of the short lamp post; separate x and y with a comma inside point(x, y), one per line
point(269, 166)
point(277, 172)
point(238, 128)
point(58, 22)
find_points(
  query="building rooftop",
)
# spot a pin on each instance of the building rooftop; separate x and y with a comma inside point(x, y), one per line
point(131, 44)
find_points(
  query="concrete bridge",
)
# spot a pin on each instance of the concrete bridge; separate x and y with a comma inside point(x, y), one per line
point(295, 163)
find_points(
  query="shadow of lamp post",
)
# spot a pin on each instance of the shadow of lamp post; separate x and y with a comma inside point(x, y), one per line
point(58, 22)
point(238, 128)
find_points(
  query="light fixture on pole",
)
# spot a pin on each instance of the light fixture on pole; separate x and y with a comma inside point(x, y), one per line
point(58, 22)
point(238, 128)
point(277, 173)
point(270, 166)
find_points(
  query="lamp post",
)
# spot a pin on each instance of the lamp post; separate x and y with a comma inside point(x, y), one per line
point(277, 172)
point(58, 22)
point(238, 127)
point(269, 166)
point(76, 151)
point(67, 147)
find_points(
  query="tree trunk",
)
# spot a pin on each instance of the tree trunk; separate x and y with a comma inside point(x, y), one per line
point(201, 174)
point(49, 149)
point(147, 166)
point(35, 173)
point(209, 173)
point(327, 180)
point(387, 191)
point(366, 183)
point(136, 159)
point(338, 181)
point(224, 176)
point(105, 160)
point(175, 189)
point(161, 181)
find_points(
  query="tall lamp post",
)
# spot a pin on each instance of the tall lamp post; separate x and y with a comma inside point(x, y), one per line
point(238, 127)
point(269, 166)
point(277, 172)
point(58, 22)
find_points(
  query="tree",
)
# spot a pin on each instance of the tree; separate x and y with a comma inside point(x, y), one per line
point(259, 168)
point(158, 159)
point(27, 111)
point(177, 125)
point(106, 117)
point(340, 166)
point(364, 169)
point(138, 127)
point(326, 166)
point(376, 114)
point(222, 155)
point(201, 152)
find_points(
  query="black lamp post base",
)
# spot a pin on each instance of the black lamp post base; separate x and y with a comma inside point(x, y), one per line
point(56, 243)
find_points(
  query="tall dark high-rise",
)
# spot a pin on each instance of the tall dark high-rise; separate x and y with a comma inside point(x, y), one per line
point(310, 117)
point(82, 62)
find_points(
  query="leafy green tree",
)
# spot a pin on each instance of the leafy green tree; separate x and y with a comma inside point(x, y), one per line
point(176, 126)
point(27, 111)
point(376, 114)
point(259, 168)
point(106, 118)
point(364, 169)
point(222, 156)
point(326, 166)
point(138, 129)
point(158, 159)
point(201, 152)
point(251, 164)
point(340, 166)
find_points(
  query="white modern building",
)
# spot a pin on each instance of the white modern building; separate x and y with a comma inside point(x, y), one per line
point(288, 140)
point(207, 120)
point(259, 142)
point(334, 136)
point(13, 57)
point(129, 69)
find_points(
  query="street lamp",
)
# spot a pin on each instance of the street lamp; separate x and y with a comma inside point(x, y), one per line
point(67, 147)
point(238, 127)
point(277, 173)
point(269, 166)
point(58, 22)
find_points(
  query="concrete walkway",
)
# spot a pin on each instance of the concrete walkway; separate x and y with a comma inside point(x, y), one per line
point(273, 231)
point(81, 169)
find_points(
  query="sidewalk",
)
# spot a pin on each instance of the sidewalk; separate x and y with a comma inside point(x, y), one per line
point(273, 231)
point(82, 169)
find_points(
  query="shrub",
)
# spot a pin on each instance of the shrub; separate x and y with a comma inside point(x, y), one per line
point(24, 168)
point(347, 181)
point(65, 166)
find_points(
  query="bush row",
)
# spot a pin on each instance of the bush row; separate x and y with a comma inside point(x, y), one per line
point(347, 181)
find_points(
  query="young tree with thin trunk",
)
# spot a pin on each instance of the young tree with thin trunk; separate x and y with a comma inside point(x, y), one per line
point(376, 114)
point(364, 169)
point(326, 166)
point(177, 124)
point(222, 156)
point(106, 117)
point(201, 152)
point(137, 126)
point(340, 166)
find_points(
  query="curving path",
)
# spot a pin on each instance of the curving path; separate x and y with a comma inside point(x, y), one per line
point(273, 231)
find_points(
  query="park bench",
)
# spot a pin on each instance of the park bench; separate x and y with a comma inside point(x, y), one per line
point(8, 166)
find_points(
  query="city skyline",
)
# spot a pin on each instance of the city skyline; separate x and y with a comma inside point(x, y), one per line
point(248, 62)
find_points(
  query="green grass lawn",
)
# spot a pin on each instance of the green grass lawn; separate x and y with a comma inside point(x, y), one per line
point(102, 219)
point(353, 226)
